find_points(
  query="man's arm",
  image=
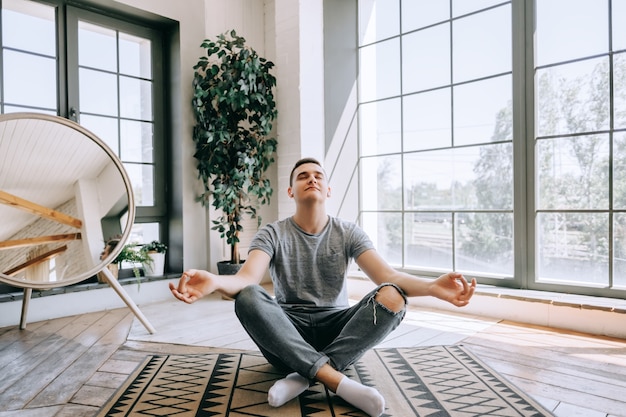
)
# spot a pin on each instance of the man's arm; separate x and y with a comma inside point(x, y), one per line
point(195, 284)
point(451, 287)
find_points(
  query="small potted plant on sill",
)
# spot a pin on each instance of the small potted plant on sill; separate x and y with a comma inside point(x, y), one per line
point(155, 250)
point(132, 254)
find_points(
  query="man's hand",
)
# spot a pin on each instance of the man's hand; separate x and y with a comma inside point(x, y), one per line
point(193, 285)
point(454, 288)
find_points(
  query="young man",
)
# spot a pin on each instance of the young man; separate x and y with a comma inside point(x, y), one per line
point(309, 330)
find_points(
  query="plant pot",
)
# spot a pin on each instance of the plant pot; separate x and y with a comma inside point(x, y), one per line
point(226, 268)
point(114, 268)
point(154, 269)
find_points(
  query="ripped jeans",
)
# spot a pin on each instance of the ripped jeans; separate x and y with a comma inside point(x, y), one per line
point(304, 338)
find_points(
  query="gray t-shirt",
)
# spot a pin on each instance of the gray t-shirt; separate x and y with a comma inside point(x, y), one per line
point(311, 269)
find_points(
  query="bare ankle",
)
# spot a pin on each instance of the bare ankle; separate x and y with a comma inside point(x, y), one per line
point(329, 376)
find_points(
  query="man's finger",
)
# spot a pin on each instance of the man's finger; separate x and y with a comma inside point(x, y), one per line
point(464, 283)
point(182, 283)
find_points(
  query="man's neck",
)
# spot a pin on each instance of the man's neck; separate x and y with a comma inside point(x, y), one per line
point(310, 220)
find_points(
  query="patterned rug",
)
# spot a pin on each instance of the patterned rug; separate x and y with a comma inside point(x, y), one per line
point(432, 381)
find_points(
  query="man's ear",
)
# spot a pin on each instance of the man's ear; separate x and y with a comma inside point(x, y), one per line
point(328, 192)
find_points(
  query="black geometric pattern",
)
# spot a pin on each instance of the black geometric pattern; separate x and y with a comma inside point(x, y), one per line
point(432, 381)
point(445, 381)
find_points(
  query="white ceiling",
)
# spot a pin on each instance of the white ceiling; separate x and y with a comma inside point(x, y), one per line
point(40, 161)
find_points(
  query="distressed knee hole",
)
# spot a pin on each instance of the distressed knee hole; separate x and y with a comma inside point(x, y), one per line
point(391, 298)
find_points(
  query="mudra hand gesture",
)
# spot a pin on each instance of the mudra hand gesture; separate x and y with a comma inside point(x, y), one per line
point(453, 288)
point(193, 285)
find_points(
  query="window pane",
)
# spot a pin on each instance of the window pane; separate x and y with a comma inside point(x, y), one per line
point(461, 7)
point(427, 121)
point(380, 127)
point(105, 128)
point(428, 240)
point(483, 111)
point(482, 44)
point(137, 143)
point(378, 19)
point(385, 230)
point(478, 177)
point(141, 178)
point(98, 92)
point(420, 13)
point(484, 243)
point(581, 32)
point(29, 26)
point(619, 250)
point(572, 173)
point(619, 90)
point(573, 247)
point(619, 168)
point(97, 47)
point(430, 46)
point(491, 177)
point(136, 98)
point(120, 89)
point(135, 56)
point(573, 98)
point(427, 180)
point(382, 181)
point(379, 75)
point(143, 233)
point(30, 80)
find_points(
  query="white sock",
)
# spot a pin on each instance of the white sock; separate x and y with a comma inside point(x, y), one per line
point(287, 389)
point(365, 398)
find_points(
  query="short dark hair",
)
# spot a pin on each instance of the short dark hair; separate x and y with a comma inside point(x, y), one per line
point(302, 162)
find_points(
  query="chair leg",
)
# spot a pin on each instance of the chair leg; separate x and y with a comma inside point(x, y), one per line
point(25, 301)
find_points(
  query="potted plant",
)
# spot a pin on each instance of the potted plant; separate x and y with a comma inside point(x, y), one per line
point(155, 250)
point(132, 254)
point(233, 104)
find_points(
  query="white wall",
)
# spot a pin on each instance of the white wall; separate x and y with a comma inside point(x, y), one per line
point(299, 67)
point(201, 19)
point(287, 32)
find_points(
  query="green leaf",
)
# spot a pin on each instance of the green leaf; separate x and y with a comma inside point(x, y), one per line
point(234, 107)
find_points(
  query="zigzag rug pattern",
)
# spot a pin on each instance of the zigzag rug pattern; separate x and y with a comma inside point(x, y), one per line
point(435, 381)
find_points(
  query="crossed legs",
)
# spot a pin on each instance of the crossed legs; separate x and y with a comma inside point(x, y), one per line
point(367, 323)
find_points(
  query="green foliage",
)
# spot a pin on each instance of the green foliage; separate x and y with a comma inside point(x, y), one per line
point(132, 254)
point(154, 246)
point(234, 108)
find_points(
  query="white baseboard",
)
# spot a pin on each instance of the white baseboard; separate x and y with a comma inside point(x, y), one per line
point(81, 302)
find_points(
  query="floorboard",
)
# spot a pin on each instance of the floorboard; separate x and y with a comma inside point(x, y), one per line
point(69, 367)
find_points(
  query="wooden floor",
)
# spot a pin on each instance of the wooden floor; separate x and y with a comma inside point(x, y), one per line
point(70, 366)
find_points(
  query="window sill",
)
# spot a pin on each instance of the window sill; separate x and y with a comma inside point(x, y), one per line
point(17, 294)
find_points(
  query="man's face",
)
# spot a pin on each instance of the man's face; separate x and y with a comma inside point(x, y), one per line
point(309, 181)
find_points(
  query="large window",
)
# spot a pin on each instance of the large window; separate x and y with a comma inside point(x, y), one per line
point(102, 72)
point(477, 157)
point(580, 146)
